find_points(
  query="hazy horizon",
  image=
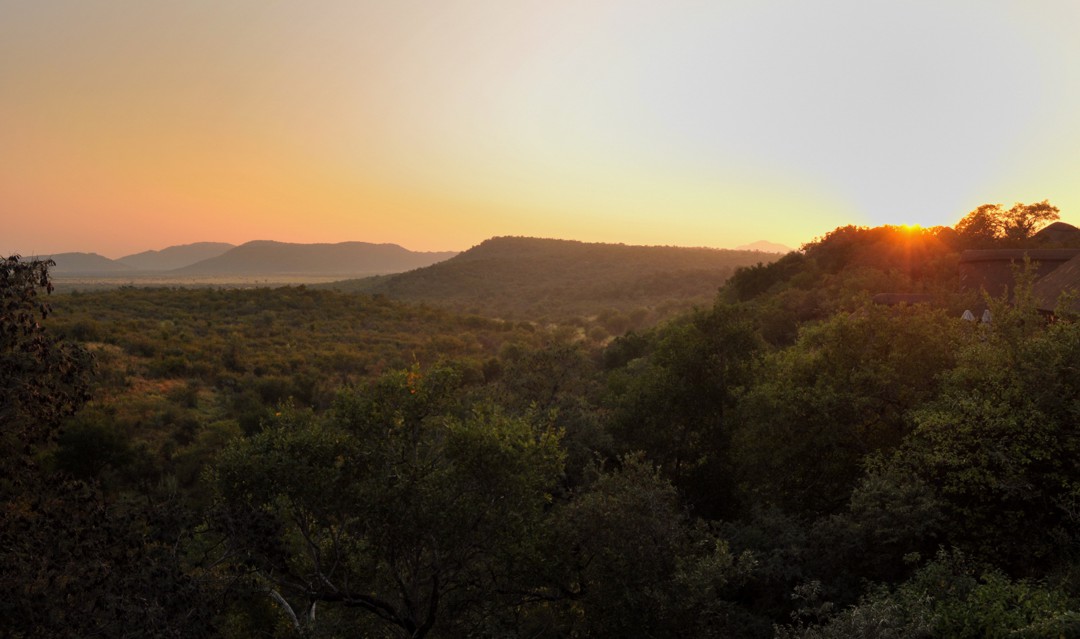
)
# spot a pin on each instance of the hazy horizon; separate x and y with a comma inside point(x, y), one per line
point(128, 126)
point(118, 256)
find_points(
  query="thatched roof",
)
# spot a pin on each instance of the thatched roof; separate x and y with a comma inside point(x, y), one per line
point(1059, 234)
point(1065, 279)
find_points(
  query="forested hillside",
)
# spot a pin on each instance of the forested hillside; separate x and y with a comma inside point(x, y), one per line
point(556, 280)
point(789, 460)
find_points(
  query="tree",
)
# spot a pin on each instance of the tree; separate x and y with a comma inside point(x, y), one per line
point(982, 227)
point(42, 379)
point(556, 378)
point(674, 403)
point(1001, 440)
point(74, 564)
point(951, 596)
point(1022, 220)
point(639, 565)
point(403, 505)
point(845, 390)
point(892, 517)
point(990, 224)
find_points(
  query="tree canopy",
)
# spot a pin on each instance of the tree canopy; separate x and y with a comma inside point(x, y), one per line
point(803, 457)
point(991, 224)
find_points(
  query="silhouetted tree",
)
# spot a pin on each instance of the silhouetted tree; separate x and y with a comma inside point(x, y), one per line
point(42, 379)
point(990, 224)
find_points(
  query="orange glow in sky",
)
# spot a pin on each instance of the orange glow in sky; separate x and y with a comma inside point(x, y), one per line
point(128, 125)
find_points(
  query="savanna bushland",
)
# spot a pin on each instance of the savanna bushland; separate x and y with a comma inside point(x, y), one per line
point(789, 460)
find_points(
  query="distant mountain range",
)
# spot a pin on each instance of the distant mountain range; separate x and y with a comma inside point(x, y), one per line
point(175, 257)
point(518, 277)
point(765, 247)
point(259, 258)
point(80, 263)
point(266, 257)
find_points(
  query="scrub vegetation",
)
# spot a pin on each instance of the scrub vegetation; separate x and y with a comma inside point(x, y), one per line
point(788, 460)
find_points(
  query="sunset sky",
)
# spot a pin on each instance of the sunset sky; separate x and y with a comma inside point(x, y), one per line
point(134, 124)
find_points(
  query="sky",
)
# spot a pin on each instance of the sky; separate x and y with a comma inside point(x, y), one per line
point(128, 125)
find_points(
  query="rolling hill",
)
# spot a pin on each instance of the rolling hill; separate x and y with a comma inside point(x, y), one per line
point(175, 257)
point(264, 257)
point(86, 263)
point(521, 277)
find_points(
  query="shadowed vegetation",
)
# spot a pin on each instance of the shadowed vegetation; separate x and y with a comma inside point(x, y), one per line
point(789, 460)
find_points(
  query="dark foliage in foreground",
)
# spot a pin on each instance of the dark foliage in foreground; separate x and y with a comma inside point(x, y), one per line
point(791, 461)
